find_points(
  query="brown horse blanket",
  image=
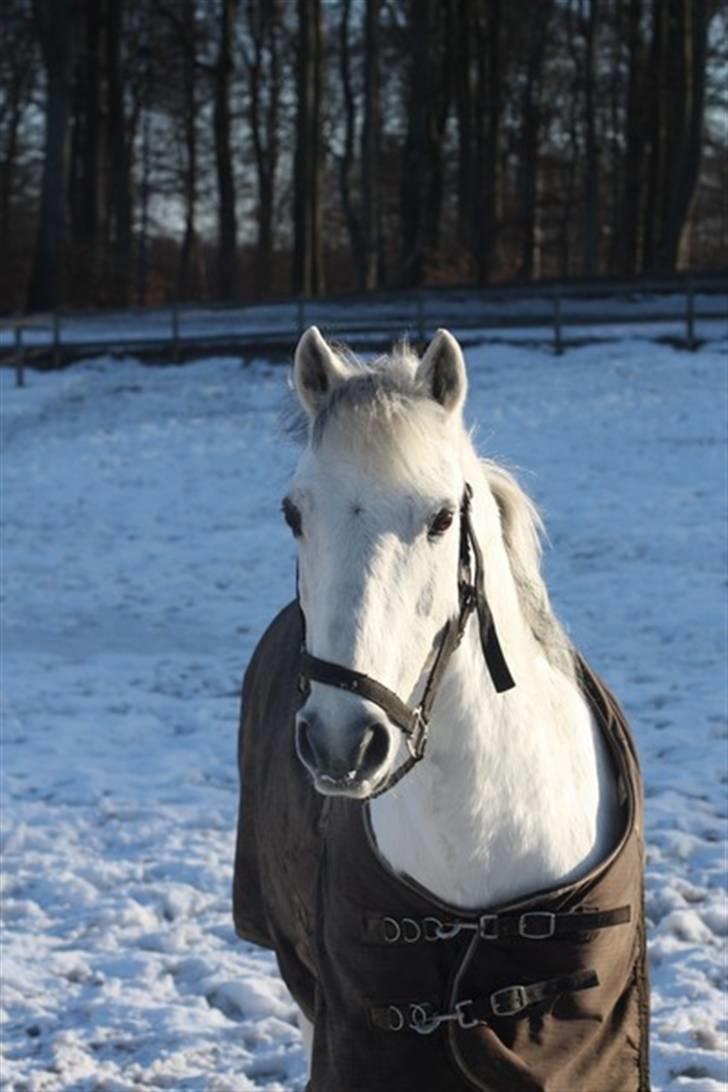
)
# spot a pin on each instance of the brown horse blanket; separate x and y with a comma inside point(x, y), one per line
point(547, 993)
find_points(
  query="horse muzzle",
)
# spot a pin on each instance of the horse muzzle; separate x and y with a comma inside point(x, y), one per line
point(346, 760)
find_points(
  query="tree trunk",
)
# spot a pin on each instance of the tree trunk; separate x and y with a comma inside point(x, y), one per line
point(308, 167)
point(591, 166)
point(188, 253)
point(681, 128)
point(264, 71)
point(627, 233)
point(421, 185)
point(84, 188)
point(227, 219)
point(488, 110)
point(120, 143)
point(54, 32)
point(346, 159)
point(463, 28)
point(530, 135)
point(145, 187)
point(7, 175)
point(370, 148)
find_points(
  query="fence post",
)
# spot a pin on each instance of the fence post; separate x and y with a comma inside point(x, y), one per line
point(300, 314)
point(420, 317)
point(175, 332)
point(19, 356)
point(558, 342)
point(56, 339)
point(690, 315)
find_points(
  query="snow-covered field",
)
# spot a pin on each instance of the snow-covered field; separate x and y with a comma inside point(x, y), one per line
point(143, 554)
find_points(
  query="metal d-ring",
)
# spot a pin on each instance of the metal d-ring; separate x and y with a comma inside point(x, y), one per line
point(422, 1021)
point(431, 928)
point(415, 932)
point(393, 1011)
point(396, 932)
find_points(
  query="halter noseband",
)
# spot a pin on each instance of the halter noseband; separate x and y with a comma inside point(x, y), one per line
point(415, 723)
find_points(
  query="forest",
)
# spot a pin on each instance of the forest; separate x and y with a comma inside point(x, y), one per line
point(235, 150)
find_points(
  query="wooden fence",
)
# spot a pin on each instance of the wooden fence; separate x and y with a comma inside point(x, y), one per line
point(366, 322)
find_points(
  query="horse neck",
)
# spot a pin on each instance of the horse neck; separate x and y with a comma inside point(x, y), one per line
point(515, 792)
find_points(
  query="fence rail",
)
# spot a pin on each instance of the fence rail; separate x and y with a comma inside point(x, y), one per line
point(366, 322)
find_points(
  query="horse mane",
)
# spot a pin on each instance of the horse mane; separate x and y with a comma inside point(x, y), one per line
point(386, 389)
point(523, 532)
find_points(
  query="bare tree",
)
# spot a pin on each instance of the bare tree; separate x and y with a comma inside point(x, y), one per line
point(677, 78)
point(308, 273)
point(265, 75)
point(531, 119)
point(370, 148)
point(345, 160)
point(120, 143)
point(17, 57)
point(588, 17)
point(427, 103)
point(227, 217)
point(53, 27)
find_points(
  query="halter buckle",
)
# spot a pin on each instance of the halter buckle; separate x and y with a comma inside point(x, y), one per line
point(417, 738)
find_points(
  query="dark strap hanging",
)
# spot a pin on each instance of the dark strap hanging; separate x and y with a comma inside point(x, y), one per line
point(414, 723)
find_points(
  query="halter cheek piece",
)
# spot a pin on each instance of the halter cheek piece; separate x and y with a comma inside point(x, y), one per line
point(415, 723)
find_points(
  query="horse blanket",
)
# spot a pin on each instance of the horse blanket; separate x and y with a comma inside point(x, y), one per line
point(405, 992)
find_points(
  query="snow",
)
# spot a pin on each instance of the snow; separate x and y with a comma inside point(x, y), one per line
point(143, 554)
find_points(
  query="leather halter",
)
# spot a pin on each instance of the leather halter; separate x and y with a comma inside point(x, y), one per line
point(414, 723)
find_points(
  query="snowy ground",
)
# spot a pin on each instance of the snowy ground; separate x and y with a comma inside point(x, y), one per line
point(143, 555)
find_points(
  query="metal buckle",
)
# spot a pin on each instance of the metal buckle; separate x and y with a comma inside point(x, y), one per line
point(417, 739)
point(463, 1020)
point(488, 926)
point(425, 1023)
point(546, 929)
point(508, 1001)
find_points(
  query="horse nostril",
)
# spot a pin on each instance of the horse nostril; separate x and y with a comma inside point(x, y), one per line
point(349, 756)
point(374, 747)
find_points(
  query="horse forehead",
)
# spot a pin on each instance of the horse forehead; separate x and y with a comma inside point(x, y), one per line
point(378, 475)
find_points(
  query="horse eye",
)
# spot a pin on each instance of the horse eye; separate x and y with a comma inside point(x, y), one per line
point(292, 516)
point(441, 522)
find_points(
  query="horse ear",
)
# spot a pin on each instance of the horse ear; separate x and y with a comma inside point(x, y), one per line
point(442, 372)
point(316, 370)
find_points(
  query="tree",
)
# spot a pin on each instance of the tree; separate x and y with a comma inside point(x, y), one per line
point(308, 272)
point(227, 217)
point(677, 83)
point(53, 27)
point(265, 76)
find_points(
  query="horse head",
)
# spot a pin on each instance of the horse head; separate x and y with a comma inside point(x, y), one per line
point(375, 507)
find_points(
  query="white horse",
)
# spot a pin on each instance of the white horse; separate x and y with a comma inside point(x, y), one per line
point(517, 791)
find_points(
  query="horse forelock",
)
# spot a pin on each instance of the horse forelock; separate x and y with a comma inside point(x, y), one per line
point(380, 406)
